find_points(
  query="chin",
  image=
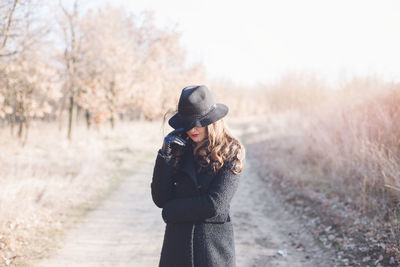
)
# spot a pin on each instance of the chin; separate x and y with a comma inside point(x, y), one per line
point(199, 140)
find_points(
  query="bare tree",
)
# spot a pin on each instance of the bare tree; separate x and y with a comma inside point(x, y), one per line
point(19, 27)
point(8, 10)
point(22, 74)
point(163, 70)
point(129, 63)
point(112, 63)
point(70, 30)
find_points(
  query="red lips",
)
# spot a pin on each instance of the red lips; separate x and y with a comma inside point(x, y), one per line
point(194, 135)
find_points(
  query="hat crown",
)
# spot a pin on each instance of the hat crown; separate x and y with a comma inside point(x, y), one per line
point(197, 107)
point(195, 101)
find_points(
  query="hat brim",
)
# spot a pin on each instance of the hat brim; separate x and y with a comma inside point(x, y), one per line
point(176, 121)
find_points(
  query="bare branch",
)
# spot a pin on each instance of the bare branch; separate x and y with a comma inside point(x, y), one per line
point(10, 19)
point(9, 54)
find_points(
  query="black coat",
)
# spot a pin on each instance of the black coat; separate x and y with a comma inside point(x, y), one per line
point(195, 207)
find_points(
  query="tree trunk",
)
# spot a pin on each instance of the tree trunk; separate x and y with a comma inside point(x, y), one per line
point(112, 121)
point(111, 104)
point(11, 120)
point(87, 116)
point(60, 114)
point(20, 128)
point(26, 123)
point(70, 115)
point(21, 119)
point(78, 111)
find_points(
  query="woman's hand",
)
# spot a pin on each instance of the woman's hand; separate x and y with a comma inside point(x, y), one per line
point(173, 141)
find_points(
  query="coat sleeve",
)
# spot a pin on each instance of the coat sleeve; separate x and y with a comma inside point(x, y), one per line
point(211, 204)
point(161, 184)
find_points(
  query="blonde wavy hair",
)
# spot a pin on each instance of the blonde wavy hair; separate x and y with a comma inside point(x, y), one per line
point(219, 148)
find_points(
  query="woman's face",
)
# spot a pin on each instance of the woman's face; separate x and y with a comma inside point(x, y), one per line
point(197, 134)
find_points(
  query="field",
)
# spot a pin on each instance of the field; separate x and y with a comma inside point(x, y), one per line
point(334, 167)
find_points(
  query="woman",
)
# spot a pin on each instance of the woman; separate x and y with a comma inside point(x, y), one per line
point(196, 174)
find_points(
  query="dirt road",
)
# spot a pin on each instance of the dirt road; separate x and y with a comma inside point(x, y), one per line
point(127, 228)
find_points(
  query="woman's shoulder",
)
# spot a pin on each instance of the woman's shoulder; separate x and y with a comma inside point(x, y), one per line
point(231, 166)
point(229, 162)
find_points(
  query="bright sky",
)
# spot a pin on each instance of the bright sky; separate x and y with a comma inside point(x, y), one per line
point(259, 40)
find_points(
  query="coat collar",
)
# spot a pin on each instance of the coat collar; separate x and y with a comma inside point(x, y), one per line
point(188, 164)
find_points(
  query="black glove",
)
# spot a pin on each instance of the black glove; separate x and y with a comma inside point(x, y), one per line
point(174, 140)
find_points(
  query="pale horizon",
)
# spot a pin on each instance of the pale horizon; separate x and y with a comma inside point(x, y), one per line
point(253, 42)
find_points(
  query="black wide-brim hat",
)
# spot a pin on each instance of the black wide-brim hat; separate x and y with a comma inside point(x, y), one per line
point(196, 107)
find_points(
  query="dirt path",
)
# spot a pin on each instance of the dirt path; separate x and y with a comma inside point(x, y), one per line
point(127, 229)
point(265, 234)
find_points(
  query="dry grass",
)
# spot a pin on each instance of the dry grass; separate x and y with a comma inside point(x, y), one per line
point(51, 182)
point(357, 148)
point(338, 162)
point(347, 141)
point(342, 141)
